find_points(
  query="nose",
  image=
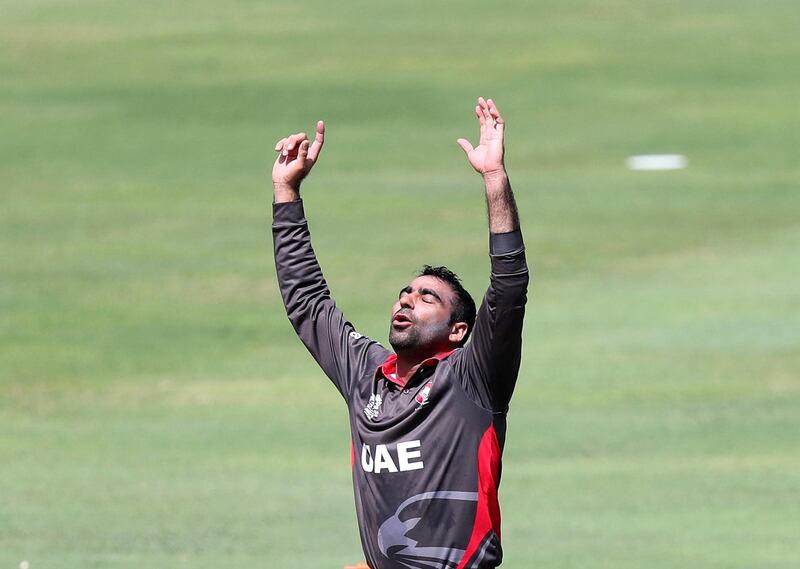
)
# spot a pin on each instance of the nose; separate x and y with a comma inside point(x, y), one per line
point(407, 301)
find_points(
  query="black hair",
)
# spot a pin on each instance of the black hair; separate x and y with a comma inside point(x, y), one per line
point(464, 306)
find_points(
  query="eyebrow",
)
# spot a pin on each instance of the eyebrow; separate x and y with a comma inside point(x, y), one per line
point(409, 290)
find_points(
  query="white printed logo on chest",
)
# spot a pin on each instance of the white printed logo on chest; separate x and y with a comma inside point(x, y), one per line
point(403, 457)
point(373, 408)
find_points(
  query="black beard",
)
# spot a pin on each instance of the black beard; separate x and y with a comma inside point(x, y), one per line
point(414, 338)
point(408, 339)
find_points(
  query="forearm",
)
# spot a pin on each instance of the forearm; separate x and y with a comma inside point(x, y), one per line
point(299, 276)
point(500, 204)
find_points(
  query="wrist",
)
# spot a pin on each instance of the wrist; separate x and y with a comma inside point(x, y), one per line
point(495, 179)
point(286, 192)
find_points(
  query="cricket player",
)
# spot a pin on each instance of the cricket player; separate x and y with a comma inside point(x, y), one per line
point(427, 418)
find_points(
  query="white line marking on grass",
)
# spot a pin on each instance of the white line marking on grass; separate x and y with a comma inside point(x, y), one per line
point(656, 162)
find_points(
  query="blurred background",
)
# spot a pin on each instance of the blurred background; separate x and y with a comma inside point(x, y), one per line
point(156, 409)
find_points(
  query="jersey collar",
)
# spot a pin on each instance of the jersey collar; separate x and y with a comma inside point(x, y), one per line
point(388, 369)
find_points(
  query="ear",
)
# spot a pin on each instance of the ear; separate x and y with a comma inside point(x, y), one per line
point(458, 331)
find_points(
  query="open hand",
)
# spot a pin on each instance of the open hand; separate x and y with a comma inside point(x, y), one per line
point(295, 159)
point(487, 157)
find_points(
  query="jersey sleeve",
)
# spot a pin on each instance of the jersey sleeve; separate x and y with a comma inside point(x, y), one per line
point(489, 363)
point(342, 353)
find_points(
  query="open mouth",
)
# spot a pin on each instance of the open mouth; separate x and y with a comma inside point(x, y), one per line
point(401, 321)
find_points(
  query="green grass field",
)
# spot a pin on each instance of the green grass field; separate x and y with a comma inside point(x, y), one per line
point(156, 409)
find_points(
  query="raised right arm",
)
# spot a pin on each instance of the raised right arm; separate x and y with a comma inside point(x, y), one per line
point(341, 352)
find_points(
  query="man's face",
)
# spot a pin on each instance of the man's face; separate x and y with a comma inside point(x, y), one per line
point(421, 316)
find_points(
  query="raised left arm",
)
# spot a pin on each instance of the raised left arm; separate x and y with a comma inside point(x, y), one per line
point(490, 362)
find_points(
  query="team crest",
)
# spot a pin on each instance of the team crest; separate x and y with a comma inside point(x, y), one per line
point(422, 397)
point(373, 408)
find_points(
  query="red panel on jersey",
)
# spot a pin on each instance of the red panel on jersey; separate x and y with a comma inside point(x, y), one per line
point(487, 516)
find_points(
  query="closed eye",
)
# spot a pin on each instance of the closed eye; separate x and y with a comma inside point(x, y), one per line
point(427, 293)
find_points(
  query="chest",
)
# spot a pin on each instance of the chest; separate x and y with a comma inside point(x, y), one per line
point(432, 405)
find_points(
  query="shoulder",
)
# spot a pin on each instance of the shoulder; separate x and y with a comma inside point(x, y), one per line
point(375, 351)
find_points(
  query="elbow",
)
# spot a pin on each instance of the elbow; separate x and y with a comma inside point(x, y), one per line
point(511, 287)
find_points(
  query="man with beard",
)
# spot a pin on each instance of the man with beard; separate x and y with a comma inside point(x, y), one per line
point(428, 419)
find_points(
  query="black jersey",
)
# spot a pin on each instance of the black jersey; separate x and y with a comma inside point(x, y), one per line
point(426, 454)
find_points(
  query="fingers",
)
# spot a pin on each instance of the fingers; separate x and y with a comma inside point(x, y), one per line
point(291, 144)
point(286, 146)
point(320, 136)
point(302, 151)
point(465, 145)
point(489, 115)
point(484, 107)
point(479, 114)
point(294, 142)
point(319, 141)
point(495, 112)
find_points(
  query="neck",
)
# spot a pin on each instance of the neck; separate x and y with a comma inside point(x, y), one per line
point(407, 368)
point(408, 361)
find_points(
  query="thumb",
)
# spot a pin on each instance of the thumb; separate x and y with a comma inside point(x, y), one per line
point(465, 145)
